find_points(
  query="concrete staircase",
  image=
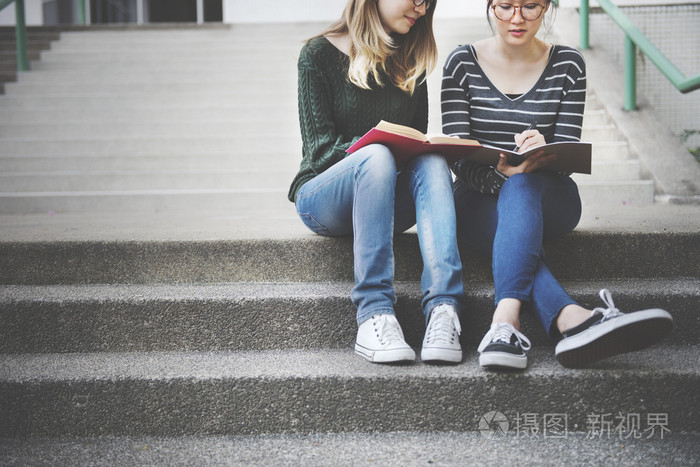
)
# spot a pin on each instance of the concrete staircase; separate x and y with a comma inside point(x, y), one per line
point(38, 40)
point(161, 303)
point(148, 120)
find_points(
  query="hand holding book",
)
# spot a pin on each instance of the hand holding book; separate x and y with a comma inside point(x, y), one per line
point(406, 143)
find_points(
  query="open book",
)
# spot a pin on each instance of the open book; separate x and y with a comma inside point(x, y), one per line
point(406, 143)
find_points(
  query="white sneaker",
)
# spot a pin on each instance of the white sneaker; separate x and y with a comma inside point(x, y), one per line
point(380, 339)
point(503, 346)
point(441, 342)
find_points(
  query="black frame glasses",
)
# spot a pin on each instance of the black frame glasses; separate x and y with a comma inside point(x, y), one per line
point(526, 11)
point(420, 2)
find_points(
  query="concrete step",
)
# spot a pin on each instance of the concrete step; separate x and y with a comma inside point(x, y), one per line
point(10, 44)
point(607, 151)
point(198, 49)
point(237, 316)
point(233, 145)
point(154, 129)
point(600, 133)
point(123, 114)
point(143, 200)
point(518, 445)
point(268, 257)
point(160, 179)
point(241, 393)
point(596, 117)
point(211, 158)
point(164, 100)
point(8, 58)
point(175, 38)
point(127, 80)
point(192, 192)
point(621, 170)
point(594, 191)
point(250, 94)
point(254, 62)
point(145, 115)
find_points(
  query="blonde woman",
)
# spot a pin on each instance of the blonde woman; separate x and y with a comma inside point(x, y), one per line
point(370, 66)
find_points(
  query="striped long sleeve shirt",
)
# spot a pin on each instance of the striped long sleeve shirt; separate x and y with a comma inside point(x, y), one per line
point(473, 108)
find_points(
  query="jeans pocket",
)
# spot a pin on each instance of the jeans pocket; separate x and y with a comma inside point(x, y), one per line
point(313, 225)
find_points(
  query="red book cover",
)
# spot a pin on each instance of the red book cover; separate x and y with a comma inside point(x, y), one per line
point(406, 143)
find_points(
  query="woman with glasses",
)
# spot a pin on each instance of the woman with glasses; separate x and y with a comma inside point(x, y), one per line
point(516, 91)
point(370, 66)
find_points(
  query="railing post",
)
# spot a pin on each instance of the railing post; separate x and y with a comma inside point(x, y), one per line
point(82, 12)
point(21, 35)
point(630, 74)
point(584, 24)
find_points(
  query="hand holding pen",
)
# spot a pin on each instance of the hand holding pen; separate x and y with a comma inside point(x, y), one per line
point(529, 139)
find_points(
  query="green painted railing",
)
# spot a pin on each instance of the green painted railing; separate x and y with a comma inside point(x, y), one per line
point(20, 33)
point(635, 38)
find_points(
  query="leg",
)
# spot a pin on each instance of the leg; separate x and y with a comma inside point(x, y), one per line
point(532, 207)
point(424, 193)
point(516, 225)
point(424, 197)
point(356, 196)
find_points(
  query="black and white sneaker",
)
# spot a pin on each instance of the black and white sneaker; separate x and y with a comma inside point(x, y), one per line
point(503, 346)
point(609, 332)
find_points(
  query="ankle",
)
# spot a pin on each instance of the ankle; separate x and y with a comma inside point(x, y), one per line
point(507, 311)
point(571, 316)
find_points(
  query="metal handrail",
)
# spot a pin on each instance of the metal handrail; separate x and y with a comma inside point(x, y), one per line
point(635, 38)
point(20, 33)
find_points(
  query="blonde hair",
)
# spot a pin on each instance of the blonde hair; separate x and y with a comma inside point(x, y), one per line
point(404, 58)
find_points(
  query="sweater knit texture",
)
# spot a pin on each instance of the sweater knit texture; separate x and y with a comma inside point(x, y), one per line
point(334, 113)
point(473, 108)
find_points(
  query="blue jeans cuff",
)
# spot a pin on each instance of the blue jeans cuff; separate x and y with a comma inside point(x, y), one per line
point(441, 301)
point(361, 318)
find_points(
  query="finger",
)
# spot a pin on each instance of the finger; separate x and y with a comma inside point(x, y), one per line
point(542, 162)
point(532, 162)
point(505, 168)
point(534, 157)
point(503, 164)
point(532, 142)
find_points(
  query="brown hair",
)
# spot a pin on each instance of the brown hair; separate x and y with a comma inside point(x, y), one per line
point(404, 58)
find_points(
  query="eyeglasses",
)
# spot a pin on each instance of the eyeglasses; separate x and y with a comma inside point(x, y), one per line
point(420, 2)
point(506, 11)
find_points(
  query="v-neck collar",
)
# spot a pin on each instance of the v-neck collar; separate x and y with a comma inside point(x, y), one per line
point(523, 95)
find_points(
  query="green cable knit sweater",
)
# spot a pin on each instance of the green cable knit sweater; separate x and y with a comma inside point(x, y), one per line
point(334, 113)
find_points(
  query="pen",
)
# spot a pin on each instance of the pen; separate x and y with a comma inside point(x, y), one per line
point(531, 127)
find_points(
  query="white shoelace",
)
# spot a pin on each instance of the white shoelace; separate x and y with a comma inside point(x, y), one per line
point(611, 311)
point(443, 322)
point(388, 327)
point(503, 332)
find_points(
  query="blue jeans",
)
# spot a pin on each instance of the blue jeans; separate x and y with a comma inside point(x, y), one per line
point(511, 227)
point(367, 196)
